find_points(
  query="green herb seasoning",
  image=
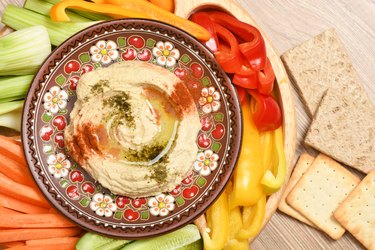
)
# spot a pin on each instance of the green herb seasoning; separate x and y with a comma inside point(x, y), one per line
point(121, 109)
point(145, 154)
point(159, 171)
point(98, 88)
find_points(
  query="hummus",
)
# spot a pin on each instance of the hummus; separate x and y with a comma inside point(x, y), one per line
point(133, 128)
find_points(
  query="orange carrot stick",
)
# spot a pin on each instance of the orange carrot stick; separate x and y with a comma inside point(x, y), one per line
point(13, 149)
point(69, 246)
point(48, 242)
point(35, 221)
point(21, 206)
point(4, 210)
point(22, 192)
point(15, 171)
point(9, 235)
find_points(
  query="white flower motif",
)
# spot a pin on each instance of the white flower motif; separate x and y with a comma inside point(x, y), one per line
point(161, 204)
point(206, 162)
point(103, 205)
point(55, 99)
point(166, 54)
point(58, 165)
point(104, 52)
point(210, 100)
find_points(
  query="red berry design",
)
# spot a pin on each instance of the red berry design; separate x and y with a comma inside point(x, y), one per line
point(71, 66)
point(138, 202)
point(88, 188)
point(196, 70)
point(76, 176)
point(204, 141)
point(59, 139)
point(122, 201)
point(144, 55)
point(136, 41)
point(73, 82)
point(131, 215)
point(59, 122)
point(46, 132)
point(129, 54)
point(189, 193)
point(72, 192)
point(218, 132)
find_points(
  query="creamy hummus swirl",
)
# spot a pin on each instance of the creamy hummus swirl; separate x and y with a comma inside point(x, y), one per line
point(133, 128)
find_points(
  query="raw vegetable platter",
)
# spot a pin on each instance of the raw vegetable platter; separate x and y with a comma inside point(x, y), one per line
point(281, 91)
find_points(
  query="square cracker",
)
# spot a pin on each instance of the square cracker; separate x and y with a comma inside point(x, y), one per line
point(319, 64)
point(302, 165)
point(357, 212)
point(320, 191)
point(344, 130)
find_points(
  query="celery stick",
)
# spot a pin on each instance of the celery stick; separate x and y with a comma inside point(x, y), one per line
point(10, 106)
point(12, 119)
point(18, 18)
point(14, 87)
point(43, 7)
point(22, 52)
point(89, 15)
point(13, 98)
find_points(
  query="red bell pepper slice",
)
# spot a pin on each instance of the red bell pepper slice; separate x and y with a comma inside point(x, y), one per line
point(241, 92)
point(253, 47)
point(266, 79)
point(229, 59)
point(204, 20)
point(266, 112)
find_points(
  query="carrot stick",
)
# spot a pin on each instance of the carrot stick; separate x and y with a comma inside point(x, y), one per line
point(4, 210)
point(35, 221)
point(21, 206)
point(48, 242)
point(8, 235)
point(13, 149)
point(52, 211)
point(164, 4)
point(15, 171)
point(22, 192)
point(69, 246)
point(12, 244)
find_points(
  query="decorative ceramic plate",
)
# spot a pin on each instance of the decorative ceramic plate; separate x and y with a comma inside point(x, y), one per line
point(52, 96)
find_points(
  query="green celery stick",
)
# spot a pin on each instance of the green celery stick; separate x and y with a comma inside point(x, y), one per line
point(14, 87)
point(10, 106)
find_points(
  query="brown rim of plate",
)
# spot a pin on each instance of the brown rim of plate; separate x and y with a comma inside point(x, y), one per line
point(29, 143)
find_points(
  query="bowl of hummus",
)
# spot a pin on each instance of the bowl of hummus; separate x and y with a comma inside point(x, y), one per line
point(131, 128)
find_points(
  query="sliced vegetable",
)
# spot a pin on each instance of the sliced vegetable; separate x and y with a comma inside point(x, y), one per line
point(249, 169)
point(156, 13)
point(12, 119)
point(229, 58)
point(23, 51)
point(265, 111)
point(241, 92)
point(22, 192)
point(14, 87)
point(10, 106)
point(252, 219)
point(177, 239)
point(12, 149)
point(90, 15)
point(235, 244)
point(44, 8)
point(4, 210)
point(217, 222)
point(20, 206)
point(203, 19)
point(196, 245)
point(252, 47)
point(58, 11)
point(19, 18)
point(114, 245)
point(15, 171)
point(266, 79)
point(271, 182)
point(35, 221)
point(8, 235)
point(168, 5)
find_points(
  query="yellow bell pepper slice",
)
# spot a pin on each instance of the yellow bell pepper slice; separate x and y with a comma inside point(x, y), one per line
point(58, 13)
point(252, 219)
point(235, 222)
point(267, 143)
point(218, 223)
point(156, 13)
point(271, 182)
point(247, 187)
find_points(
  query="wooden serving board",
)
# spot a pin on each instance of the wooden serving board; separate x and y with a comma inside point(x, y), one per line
point(184, 9)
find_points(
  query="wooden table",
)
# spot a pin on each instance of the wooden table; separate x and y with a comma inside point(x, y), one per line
point(287, 24)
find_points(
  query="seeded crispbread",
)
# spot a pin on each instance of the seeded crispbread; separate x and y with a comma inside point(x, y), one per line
point(304, 161)
point(321, 189)
point(357, 212)
point(345, 131)
point(322, 63)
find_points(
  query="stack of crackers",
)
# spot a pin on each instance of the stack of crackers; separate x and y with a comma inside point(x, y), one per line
point(322, 192)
